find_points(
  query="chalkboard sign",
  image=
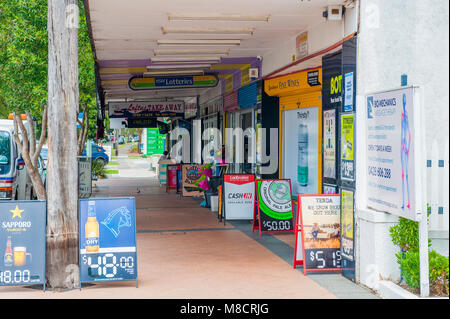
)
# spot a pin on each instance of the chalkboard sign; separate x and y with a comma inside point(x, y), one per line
point(23, 242)
point(320, 228)
point(107, 240)
point(274, 204)
point(189, 180)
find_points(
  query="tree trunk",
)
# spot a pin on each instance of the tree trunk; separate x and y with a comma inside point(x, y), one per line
point(62, 204)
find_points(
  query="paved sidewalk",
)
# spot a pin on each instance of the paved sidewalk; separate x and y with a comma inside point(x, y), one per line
point(184, 252)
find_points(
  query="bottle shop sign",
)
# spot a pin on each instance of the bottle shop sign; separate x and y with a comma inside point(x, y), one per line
point(274, 205)
point(22, 240)
point(107, 239)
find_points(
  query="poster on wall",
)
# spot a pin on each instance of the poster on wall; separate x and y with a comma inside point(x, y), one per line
point(274, 204)
point(239, 196)
point(329, 144)
point(329, 189)
point(391, 152)
point(347, 147)
point(347, 223)
point(319, 216)
point(107, 239)
point(189, 180)
point(301, 149)
point(23, 238)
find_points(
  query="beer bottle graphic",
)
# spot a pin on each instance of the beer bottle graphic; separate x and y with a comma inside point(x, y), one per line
point(302, 168)
point(8, 258)
point(92, 229)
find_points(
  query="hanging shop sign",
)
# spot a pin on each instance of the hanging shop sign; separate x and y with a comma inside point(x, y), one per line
point(347, 224)
point(230, 102)
point(146, 109)
point(300, 81)
point(190, 107)
point(274, 206)
point(329, 144)
point(142, 122)
point(107, 240)
point(319, 217)
point(392, 152)
point(239, 196)
point(302, 152)
point(248, 96)
point(190, 177)
point(171, 82)
point(301, 45)
point(23, 238)
point(347, 147)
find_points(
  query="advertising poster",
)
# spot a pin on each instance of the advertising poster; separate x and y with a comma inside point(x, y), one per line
point(347, 214)
point(107, 239)
point(155, 142)
point(189, 180)
point(172, 176)
point(275, 212)
point(347, 147)
point(329, 189)
point(320, 223)
point(301, 149)
point(390, 159)
point(162, 172)
point(329, 144)
point(84, 178)
point(239, 197)
point(348, 92)
point(22, 242)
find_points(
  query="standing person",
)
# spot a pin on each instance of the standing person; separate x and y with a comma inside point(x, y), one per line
point(164, 157)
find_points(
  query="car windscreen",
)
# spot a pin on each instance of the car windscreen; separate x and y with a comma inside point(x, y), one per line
point(44, 153)
point(5, 152)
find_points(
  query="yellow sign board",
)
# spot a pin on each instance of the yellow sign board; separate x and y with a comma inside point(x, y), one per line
point(305, 81)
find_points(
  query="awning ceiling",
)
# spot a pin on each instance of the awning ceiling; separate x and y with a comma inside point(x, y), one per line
point(125, 36)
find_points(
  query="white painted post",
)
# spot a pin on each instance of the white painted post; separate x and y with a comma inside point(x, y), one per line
point(421, 191)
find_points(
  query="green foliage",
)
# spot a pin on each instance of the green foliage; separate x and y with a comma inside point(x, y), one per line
point(24, 60)
point(98, 169)
point(438, 270)
point(405, 235)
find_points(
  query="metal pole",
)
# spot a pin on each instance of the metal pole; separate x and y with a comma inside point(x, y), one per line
point(423, 256)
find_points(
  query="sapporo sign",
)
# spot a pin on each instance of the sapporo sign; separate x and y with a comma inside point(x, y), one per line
point(274, 205)
point(146, 109)
point(319, 218)
point(107, 240)
point(23, 238)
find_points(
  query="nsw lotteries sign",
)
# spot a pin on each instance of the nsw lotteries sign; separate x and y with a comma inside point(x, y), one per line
point(107, 240)
point(392, 152)
point(239, 196)
point(22, 240)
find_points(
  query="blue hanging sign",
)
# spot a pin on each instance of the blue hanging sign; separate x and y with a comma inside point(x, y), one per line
point(22, 240)
point(107, 240)
point(247, 95)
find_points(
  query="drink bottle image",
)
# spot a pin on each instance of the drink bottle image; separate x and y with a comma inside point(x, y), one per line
point(8, 258)
point(92, 229)
point(302, 168)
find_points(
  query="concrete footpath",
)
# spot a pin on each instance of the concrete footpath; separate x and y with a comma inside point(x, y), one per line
point(184, 252)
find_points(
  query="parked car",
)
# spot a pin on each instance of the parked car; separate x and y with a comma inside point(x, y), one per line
point(44, 155)
point(121, 140)
point(13, 175)
point(98, 154)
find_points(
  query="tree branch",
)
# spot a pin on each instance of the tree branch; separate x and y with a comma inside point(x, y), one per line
point(43, 135)
point(32, 140)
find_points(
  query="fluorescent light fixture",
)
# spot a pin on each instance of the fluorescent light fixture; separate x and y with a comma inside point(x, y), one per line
point(175, 72)
point(249, 31)
point(197, 42)
point(180, 66)
point(191, 52)
point(219, 17)
point(186, 59)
